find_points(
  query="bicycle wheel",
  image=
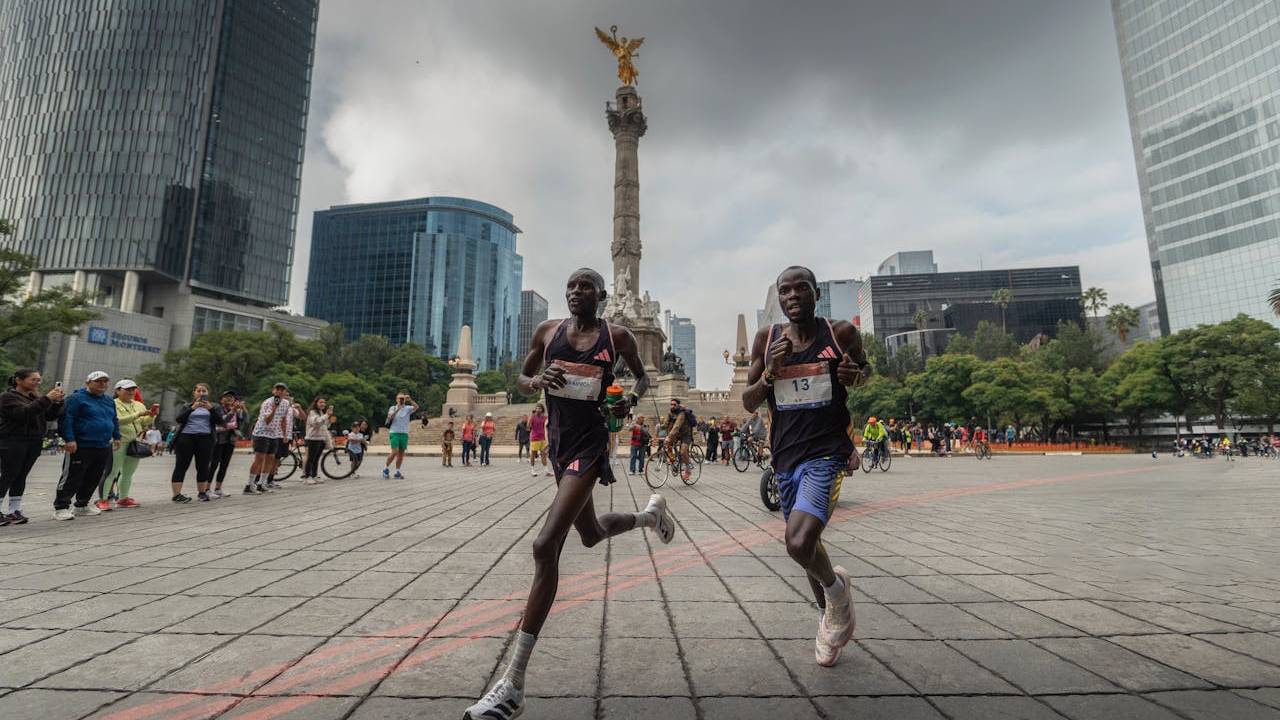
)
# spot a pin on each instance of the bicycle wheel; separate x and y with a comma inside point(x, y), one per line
point(337, 463)
point(886, 458)
point(762, 457)
point(695, 466)
point(769, 490)
point(288, 465)
point(657, 471)
point(742, 458)
point(866, 460)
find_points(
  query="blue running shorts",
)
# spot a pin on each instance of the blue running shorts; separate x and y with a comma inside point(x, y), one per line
point(813, 487)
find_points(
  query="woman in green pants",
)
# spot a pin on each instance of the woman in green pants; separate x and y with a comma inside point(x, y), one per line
point(134, 418)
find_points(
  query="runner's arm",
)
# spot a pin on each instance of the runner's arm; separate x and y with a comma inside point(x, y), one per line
point(757, 389)
point(532, 380)
point(850, 340)
point(625, 343)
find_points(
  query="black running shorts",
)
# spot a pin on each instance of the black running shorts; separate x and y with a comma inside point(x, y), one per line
point(264, 444)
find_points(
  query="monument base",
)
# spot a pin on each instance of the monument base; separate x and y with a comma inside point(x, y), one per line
point(461, 396)
point(649, 342)
point(738, 385)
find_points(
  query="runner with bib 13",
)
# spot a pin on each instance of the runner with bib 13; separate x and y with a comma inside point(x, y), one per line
point(801, 369)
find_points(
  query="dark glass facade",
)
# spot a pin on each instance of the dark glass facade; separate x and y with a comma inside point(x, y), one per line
point(417, 271)
point(533, 312)
point(1041, 297)
point(159, 136)
point(1202, 83)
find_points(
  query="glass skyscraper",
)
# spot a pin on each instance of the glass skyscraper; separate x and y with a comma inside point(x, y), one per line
point(533, 312)
point(1202, 82)
point(417, 271)
point(159, 137)
point(682, 335)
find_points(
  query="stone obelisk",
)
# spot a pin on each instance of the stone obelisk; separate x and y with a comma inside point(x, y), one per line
point(462, 393)
point(741, 364)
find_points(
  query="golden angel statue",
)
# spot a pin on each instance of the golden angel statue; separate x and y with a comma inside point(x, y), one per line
point(624, 49)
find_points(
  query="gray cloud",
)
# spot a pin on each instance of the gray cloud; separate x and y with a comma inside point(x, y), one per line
point(830, 134)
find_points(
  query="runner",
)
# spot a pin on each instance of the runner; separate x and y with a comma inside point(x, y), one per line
point(576, 358)
point(801, 369)
point(398, 417)
point(268, 435)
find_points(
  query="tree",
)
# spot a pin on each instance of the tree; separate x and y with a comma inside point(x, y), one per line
point(1138, 386)
point(904, 362)
point(990, 342)
point(1075, 347)
point(938, 392)
point(1093, 300)
point(27, 320)
point(1274, 300)
point(876, 353)
point(1224, 357)
point(880, 396)
point(921, 319)
point(1121, 319)
point(1002, 297)
point(960, 345)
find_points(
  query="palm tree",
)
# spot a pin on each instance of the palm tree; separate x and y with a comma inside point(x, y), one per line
point(1274, 299)
point(1095, 298)
point(1002, 297)
point(1121, 319)
point(921, 319)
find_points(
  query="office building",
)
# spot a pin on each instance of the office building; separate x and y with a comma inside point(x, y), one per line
point(1203, 96)
point(682, 336)
point(151, 152)
point(533, 312)
point(912, 262)
point(417, 271)
point(1041, 298)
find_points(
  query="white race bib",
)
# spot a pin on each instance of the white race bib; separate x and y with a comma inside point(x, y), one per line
point(581, 382)
point(800, 387)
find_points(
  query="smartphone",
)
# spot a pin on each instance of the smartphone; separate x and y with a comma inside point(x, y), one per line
point(204, 398)
point(58, 384)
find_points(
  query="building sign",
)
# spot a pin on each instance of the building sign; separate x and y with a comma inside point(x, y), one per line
point(103, 336)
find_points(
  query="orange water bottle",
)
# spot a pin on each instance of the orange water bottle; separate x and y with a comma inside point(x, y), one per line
point(612, 395)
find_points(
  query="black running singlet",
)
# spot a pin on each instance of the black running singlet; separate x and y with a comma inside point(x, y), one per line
point(807, 403)
point(577, 432)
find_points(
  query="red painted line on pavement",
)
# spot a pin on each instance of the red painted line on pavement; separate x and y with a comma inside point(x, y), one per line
point(503, 611)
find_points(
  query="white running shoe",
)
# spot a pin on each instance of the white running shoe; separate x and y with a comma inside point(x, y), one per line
point(89, 509)
point(309, 481)
point(504, 702)
point(64, 514)
point(665, 526)
point(837, 624)
point(318, 479)
point(533, 473)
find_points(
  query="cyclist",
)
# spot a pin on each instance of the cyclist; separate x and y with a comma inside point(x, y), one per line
point(874, 435)
point(680, 424)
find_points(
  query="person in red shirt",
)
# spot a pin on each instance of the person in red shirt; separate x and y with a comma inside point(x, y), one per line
point(468, 440)
point(487, 429)
point(639, 442)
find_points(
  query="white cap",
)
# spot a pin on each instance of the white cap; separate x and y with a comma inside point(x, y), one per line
point(96, 375)
point(126, 383)
point(488, 414)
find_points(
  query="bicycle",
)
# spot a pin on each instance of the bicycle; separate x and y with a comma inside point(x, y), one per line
point(769, 494)
point(663, 462)
point(872, 459)
point(338, 462)
point(750, 451)
point(982, 450)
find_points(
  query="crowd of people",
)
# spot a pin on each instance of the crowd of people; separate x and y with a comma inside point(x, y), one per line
point(105, 430)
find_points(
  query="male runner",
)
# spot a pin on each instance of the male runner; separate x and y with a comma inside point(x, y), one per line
point(801, 369)
point(268, 433)
point(576, 357)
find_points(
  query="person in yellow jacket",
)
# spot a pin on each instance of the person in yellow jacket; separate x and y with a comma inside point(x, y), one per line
point(134, 418)
point(874, 435)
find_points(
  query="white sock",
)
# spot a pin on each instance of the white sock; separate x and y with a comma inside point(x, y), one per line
point(15, 504)
point(520, 658)
point(835, 590)
point(645, 519)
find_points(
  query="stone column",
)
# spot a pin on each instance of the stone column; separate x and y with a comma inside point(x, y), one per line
point(35, 283)
point(741, 364)
point(628, 124)
point(129, 294)
point(462, 393)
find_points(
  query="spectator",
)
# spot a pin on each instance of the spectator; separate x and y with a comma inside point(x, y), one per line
point(357, 439)
point(468, 440)
point(319, 416)
point(134, 418)
point(268, 436)
point(487, 429)
point(398, 417)
point(91, 432)
point(154, 440)
point(727, 430)
point(639, 438)
point(522, 438)
point(446, 446)
point(712, 430)
point(24, 418)
point(234, 419)
point(193, 441)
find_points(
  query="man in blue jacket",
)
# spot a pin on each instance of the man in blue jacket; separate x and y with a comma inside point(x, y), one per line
point(91, 431)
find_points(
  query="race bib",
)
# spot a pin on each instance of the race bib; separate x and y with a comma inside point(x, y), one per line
point(799, 387)
point(581, 382)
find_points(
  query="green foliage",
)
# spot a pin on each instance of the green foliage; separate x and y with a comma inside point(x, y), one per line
point(876, 354)
point(961, 345)
point(1121, 320)
point(1002, 297)
point(938, 392)
point(880, 396)
point(26, 321)
point(1075, 348)
point(1093, 300)
point(904, 362)
point(990, 342)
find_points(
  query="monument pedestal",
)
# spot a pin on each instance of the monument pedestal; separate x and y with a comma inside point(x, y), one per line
point(741, 366)
point(463, 393)
point(671, 386)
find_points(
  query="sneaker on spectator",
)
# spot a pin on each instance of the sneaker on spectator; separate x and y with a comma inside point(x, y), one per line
point(398, 476)
point(309, 481)
point(103, 505)
point(128, 503)
point(88, 510)
point(269, 487)
point(64, 514)
point(180, 498)
point(386, 472)
point(16, 518)
point(249, 490)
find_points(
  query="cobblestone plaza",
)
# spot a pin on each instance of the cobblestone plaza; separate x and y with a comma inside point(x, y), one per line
point(1025, 587)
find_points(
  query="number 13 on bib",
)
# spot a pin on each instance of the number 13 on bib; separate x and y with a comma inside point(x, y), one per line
point(800, 387)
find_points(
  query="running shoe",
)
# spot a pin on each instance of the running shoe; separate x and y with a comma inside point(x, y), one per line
point(318, 479)
point(665, 526)
point(88, 510)
point(268, 488)
point(249, 490)
point(103, 505)
point(398, 476)
point(533, 473)
point(216, 494)
point(4, 520)
point(504, 702)
point(271, 486)
point(837, 624)
point(180, 498)
point(309, 481)
point(548, 473)
point(386, 472)
point(64, 514)
point(127, 503)
point(204, 496)
point(16, 518)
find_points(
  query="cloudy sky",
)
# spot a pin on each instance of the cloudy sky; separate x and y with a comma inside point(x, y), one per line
point(830, 134)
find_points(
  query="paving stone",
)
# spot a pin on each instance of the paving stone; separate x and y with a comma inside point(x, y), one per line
point(318, 616)
point(1019, 621)
point(1010, 587)
point(750, 708)
point(240, 666)
point(695, 620)
point(133, 666)
point(893, 590)
point(298, 708)
point(1242, 617)
point(164, 705)
point(354, 665)
point(46, 704)
point(625, 708)
point(637, 620)
point(643, 667)
point(1209, 705)
point(995, 708)
point(11, 638)
point(46, 657)
point(736, 667)
point(156, 615)
point(1031, 668)
point(947, 622)
point(1105, 707)
point(1127, 669)
point(1171, 617)
point(878, 708)
point(933, 668)
point(1089, 617)
point(857, 672)
point(1259, 645)
point(236, 616)
point(1266, 696)
point(84, 612)
point(397, 617)
point(1204, 660)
